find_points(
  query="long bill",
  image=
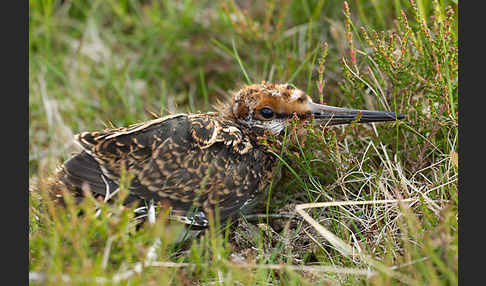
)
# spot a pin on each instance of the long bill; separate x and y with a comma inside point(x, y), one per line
point(332, 115)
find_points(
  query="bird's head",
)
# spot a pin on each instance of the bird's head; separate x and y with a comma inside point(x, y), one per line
point(269, 106)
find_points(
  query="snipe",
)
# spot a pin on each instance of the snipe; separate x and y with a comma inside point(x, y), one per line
point(194, 163)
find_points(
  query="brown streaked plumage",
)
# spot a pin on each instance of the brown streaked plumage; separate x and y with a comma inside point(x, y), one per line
point(194, 163)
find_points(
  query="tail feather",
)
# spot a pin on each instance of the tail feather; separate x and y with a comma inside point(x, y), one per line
point(82, 171)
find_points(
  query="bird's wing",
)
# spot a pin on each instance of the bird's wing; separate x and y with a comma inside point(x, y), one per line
point(105, 153)
point(185, 161)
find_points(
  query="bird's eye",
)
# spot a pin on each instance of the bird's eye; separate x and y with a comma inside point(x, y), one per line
point(266, 113)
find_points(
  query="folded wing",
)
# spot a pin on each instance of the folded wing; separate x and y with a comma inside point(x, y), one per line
point(191, 163)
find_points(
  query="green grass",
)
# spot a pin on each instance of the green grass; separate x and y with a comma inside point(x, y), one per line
point(94, 64)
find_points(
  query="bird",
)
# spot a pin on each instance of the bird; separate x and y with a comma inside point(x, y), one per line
point(198, 163)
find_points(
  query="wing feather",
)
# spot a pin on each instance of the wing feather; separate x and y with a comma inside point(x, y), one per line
point(187, 161)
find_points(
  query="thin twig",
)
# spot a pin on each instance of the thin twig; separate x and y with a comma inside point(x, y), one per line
point(254, 217)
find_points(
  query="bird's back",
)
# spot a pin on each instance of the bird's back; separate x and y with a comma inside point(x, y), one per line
point(187, 162)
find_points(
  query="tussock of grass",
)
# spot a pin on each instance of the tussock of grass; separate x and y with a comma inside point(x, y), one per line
point(111, 63)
